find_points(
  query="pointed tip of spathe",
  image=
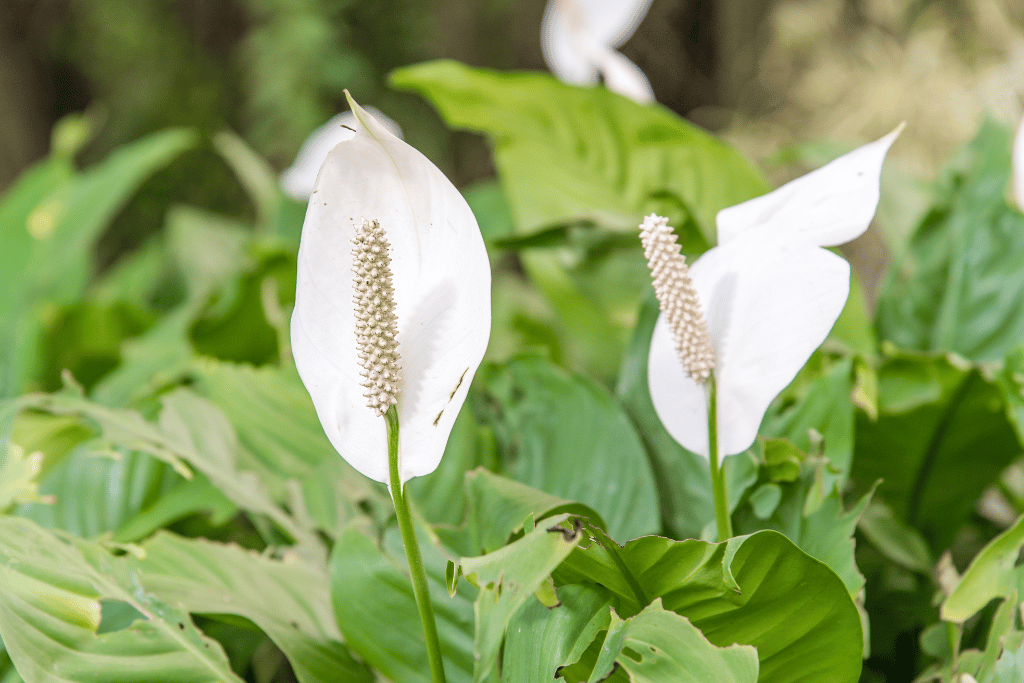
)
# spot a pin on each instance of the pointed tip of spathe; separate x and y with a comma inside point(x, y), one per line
point(366, 122)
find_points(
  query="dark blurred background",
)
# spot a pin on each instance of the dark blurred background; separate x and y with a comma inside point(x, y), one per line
point(764, 73)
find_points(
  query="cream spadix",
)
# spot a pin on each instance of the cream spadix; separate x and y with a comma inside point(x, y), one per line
point(379, 191)
point(770, 294)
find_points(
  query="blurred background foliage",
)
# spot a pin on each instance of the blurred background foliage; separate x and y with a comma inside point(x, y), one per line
point(789, 82)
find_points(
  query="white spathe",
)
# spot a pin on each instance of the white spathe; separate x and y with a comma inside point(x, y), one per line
point(299, 179)
point(1018, 167)
point(770, 294)
point(579, 38)
point(442, 283)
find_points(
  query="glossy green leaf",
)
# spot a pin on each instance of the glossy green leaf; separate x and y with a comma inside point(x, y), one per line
point(657, 645)
point(564, 435)
point(50, 609)
point(959, 286)
point(758, 590)
point(991, 574)
point(370, 584)
point(287, 599)
point(567, 154)
point(941, 437)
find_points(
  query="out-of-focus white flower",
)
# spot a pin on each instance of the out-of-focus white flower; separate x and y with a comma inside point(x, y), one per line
point(298, 180)
point(770, 294)
point(579, 38)
point(380, 192)
point(1018, 167)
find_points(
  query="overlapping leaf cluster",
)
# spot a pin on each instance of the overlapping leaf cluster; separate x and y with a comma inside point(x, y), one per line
point(173, 511)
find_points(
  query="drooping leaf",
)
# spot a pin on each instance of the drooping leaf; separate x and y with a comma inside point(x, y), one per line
point(288, 599)
point(50, 609)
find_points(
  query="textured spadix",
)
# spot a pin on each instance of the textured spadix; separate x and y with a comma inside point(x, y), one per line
point(579, 38)
point(770, 294)
point(441, 280)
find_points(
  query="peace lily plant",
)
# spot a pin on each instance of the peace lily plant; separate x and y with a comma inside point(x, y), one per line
point(737, 325)
point(392, 316)
point(579, 38)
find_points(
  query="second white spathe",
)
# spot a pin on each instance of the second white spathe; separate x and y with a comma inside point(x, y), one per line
point(770, 294)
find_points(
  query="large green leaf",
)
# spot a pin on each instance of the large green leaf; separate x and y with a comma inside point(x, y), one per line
point(51, 602)
point(758, 590)
point(960, 286)
point(941, 437)
point(567, 154)
point(289, 600)
point(565, 435)
point(375, 609)
point(657, 645)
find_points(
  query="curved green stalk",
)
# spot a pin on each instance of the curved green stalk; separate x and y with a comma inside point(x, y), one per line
point(722, 518)
point(417, 572)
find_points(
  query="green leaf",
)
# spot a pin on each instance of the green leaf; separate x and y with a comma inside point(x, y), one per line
point(564, 435)
point(289, 599)
point(991, 574)
point(941, 437)
point(567, 154)
point(96, 490)
point(657, 645)
point(507, 578)
point(758, 590)
point(540, 639)
point(18, 474)
point(50, 609)
point(959, 287)
point(369, 584)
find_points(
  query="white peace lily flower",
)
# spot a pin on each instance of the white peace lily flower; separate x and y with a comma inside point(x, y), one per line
point(1018, 167)
point(579, 38)
point(770, 293)
point(298, 180)
point(379, 191)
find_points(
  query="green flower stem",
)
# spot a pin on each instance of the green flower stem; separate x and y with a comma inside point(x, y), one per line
point(717, 476)
point(417, 572)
